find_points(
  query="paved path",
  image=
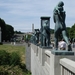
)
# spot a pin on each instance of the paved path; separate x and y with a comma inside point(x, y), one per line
point(15, 44)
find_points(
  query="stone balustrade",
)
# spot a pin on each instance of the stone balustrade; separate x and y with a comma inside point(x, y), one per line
point(46, 61)
point(67, 66)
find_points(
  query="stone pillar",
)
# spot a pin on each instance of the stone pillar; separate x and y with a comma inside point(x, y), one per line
point(28, 56)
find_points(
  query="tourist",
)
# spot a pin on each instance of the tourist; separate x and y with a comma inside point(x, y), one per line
point(62, 45)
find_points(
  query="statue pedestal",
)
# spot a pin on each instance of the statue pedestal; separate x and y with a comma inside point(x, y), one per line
point(44, 47)
point(62, 52)
point(55, 57)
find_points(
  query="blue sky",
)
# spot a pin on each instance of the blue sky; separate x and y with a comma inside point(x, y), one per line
point(21, 14)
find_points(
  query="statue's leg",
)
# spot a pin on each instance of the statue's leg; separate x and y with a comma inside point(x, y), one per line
point(44, 41)
point(47, 42)
point(56, 40)
point(65, 37)
point(67, 40)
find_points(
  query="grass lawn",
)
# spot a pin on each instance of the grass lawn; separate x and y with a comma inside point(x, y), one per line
point(14, 48)
point(16, 70)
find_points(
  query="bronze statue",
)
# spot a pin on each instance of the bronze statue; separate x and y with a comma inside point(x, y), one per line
point(46, 34)
point(37, 32)
point(60, 26)
point(35, 37)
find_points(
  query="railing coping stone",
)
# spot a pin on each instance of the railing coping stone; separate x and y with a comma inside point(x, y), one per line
point(48, 52)
point(68, 63)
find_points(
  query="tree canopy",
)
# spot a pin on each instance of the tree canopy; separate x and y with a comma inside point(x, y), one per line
point(71, 31)
point(7, 30)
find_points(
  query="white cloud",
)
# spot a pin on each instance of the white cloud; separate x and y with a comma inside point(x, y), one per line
point(22, 13)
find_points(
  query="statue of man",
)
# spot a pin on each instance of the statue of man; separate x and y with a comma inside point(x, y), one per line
point(60, 26)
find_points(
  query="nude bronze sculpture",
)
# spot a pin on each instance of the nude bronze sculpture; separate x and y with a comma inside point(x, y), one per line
point(60, 26)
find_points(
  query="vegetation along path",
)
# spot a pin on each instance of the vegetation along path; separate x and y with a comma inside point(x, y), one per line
point(12, 60)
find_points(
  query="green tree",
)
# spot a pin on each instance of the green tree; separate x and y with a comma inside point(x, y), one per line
point(68, 31)
point(18, 32)
point(72, 31)
point(3, 29)
point(9, 32)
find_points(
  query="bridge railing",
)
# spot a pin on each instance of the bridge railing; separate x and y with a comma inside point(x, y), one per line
point(67, 66)
point(45, 61)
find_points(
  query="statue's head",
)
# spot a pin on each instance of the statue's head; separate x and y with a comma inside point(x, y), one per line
point(60, 8)
point(61, 3)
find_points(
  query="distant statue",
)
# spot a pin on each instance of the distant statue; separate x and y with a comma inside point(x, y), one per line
point(37, 32)
point(60, 26)
point(46, 34)
point(33, 38)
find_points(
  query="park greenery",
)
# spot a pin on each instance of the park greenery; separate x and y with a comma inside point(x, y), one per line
point(18, 32)
point(7, 30)
point(12, 60)
point(71, 31)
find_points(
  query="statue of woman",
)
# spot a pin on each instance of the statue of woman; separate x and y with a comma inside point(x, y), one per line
point(60, 26)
